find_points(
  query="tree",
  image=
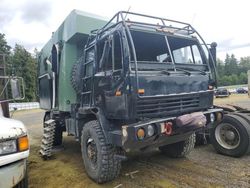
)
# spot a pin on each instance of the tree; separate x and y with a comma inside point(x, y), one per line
point(220, 67)
point(244, 64)
point(4, 47)
point(243, 78)
point(24, 65)
point(231, 66)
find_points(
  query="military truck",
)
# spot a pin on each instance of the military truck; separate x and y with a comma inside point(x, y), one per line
point(132, 83)
point(14, 142)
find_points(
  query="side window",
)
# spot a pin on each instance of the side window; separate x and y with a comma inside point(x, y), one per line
point(90, 57)
point(197, 55)
point(110, 53)
point(117, 52)
point(89, 69)
point(104, 57)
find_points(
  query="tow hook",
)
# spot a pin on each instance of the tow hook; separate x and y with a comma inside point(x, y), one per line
point(168, 128)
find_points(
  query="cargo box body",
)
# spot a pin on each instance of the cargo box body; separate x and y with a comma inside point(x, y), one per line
point(59, 54)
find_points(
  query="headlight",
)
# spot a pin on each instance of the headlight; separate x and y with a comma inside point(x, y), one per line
point(151, 130)
point(212, 117)
point(8, 147)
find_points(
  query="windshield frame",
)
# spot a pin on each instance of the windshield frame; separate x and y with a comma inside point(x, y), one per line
point(171, 64)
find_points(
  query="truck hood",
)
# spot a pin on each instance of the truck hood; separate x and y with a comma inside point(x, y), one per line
point(11, 128)
point(174, 84)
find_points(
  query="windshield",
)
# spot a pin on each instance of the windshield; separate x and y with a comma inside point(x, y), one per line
point(154, 47)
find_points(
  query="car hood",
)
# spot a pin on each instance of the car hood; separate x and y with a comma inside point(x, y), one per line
point(11, 128)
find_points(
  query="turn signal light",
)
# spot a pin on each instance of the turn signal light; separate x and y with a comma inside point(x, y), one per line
point(118, 93)
point(23, 143)
point(210, 87)
point(140, 133)
point(141, 91)
point(219, 116)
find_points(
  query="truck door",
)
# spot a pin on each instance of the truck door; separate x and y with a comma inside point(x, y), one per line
point(110, 63)
point(88, 76)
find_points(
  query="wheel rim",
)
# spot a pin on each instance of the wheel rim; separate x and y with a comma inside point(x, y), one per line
point(227, 136)
point(92, 152)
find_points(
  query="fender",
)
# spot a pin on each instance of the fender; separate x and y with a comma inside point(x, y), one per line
point(99, 115)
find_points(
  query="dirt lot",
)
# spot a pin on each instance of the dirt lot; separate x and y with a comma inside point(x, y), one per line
point(202, 168)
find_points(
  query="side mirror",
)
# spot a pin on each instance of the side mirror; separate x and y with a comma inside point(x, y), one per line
point(11, 86)
point(212, 62)
point(212, 50)
point(15, 85)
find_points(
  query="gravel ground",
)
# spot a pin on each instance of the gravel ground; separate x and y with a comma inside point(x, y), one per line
point(202, 168)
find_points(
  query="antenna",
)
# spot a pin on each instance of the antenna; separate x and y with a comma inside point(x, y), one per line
point(127, 12)
point(193, 18)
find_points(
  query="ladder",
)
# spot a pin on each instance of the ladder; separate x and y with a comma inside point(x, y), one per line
point(48, 138)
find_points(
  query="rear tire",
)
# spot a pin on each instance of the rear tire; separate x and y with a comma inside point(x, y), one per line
point(99, 158)
point(179, 149)
point(232, 136)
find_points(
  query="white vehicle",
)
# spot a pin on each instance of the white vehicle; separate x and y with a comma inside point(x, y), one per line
point(14, 151)
point(14, 142)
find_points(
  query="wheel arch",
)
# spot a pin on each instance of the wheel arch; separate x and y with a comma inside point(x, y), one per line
point(91, 114)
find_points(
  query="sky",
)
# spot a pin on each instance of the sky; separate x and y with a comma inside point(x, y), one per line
point(31, 22)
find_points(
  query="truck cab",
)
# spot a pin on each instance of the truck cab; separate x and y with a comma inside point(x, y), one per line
point(145, 76)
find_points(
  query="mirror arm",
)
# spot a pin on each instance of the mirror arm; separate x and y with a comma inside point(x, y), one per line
point(5, 86)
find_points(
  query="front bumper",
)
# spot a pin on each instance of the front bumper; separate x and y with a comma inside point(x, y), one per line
point(12, 174)
point(128, 139)
point(10, 158)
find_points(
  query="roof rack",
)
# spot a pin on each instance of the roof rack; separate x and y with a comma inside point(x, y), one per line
point(160, 24)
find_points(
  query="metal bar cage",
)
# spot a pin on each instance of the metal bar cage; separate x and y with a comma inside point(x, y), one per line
point(152, 22)
point(147, 21)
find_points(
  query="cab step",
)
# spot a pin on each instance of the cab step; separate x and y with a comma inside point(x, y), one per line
point(48, 138)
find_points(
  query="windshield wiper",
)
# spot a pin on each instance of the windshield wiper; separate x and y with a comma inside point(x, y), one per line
point(165, 72)
point(183, 70)
point(161, 70)
point(192, 69)
point(202, 72)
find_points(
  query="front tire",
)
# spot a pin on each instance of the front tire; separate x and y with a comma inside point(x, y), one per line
point(232, 136)
point(98, 156)
point(179, 149)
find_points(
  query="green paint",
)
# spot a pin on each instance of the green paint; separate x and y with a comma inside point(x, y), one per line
point(72, 36)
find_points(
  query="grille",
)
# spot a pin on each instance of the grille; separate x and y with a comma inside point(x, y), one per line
point(165, 105)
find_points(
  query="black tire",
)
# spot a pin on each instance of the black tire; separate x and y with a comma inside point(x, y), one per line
point(200, 139)
point(57, 140)
point(102, 166)
point(239, 144)
point(179, 149)
point(76, 75)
